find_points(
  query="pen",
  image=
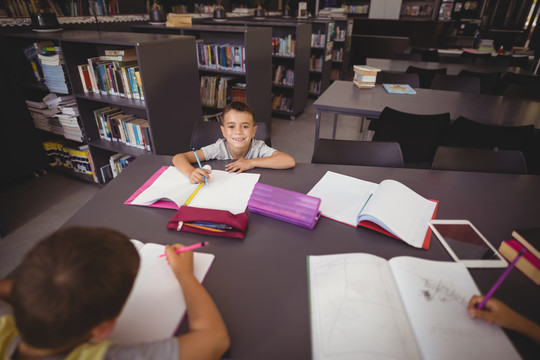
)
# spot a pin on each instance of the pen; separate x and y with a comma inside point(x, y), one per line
point(501, 279)
point(199, 162)
point(188, 248)
point(211, 225)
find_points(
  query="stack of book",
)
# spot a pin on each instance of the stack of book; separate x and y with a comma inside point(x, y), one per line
point(52, 65)
point(62, 153)
point(529, 263)
point(115, 125)
point(365, 76)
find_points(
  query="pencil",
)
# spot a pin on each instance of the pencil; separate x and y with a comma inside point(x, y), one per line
point(194, 193)
point(199, 162)
point(188, 248)
point(501, 279)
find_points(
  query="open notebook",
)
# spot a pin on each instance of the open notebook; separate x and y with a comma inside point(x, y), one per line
point(155, 306)
point(365, 307)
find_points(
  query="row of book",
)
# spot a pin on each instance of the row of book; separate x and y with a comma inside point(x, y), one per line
point(316, 63)
point(24, 8)
point(341, 34)
point(284, 46)
point(315, 86)
point(221, 56)
point(217, 91)
point(115, 73)
point(64, 153)
point(283, 76)
point(356, 9)
point(337, 55)
point(115, 125)
point(318, 39)
point(282, 103)
point(118, 162)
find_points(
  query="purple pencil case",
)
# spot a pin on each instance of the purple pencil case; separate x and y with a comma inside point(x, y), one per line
point(290, 206)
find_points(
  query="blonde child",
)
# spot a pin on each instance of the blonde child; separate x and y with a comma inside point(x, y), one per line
point(238, 128)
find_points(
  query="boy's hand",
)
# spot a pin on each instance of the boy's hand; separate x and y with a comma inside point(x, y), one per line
point(240, 165)
point(494, 311)
point(180, 263)
point(198, 174)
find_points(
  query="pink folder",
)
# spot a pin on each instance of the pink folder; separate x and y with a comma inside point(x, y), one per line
point(166, 204)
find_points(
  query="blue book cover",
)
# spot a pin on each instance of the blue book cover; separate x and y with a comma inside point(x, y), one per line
point(398, 89)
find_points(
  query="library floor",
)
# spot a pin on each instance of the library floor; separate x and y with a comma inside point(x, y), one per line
point(32, 208)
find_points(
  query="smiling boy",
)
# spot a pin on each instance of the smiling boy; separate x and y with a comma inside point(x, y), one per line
point(238, 128)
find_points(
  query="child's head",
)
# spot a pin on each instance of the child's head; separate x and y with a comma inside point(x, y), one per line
point(70, 282)
point(238, 125)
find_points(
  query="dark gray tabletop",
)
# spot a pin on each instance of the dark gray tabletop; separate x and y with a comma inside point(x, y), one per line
point(260, 283)
point(451, 68)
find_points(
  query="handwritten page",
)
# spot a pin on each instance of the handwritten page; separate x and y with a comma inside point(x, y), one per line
point(356, 312)
point(435, 296)
point(226, 191)
point(156, 303)
point(342, 197)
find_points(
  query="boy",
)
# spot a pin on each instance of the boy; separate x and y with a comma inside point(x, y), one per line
point(238, 128)
point(70, 288)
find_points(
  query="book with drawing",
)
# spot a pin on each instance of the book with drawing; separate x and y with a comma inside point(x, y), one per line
point(156, 306)
point(365, 307)
point(399, 89)
point(389, 207)
point(169, 188)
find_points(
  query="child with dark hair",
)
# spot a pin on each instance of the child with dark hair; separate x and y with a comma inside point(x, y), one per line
point(70, 289)
point(238, 128)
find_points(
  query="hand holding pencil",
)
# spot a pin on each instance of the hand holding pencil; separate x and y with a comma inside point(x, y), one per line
point(181, 262)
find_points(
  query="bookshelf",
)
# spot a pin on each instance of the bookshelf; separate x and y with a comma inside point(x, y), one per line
point(257, 44)
point(419, 10)
point(168, 70)
point(73, 8)
point(341, 66)
point(320, 56)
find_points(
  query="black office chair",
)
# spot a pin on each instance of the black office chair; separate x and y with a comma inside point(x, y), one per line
point(426, 75)
point(426, 54)
point(366, 153)
point(208, 132)
point(488, 80)
point(479, 160)
point(407, 56)
point(455, 59)
point(456, 83)
point(464, 132)
point(482, 58)
point(532, 81)
point(396, 77)
point(524, 92)
point(499, 60)
point(417, 135)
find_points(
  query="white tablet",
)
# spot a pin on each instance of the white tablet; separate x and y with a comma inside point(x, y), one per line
point(466, 244)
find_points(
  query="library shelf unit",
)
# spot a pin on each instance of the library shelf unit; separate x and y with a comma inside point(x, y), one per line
point(168, 70)
point(257, 44)
point(342, 48)
point(320, 66)
point(419, 10)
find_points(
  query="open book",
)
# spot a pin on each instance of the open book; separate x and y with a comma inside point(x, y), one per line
point(389, 207)
point(155, 306)
point(365, 307)
point(169, 188)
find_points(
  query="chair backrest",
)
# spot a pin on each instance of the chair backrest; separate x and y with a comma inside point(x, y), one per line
point(349, 152)
point(425, 75)
point(455, 59)
point(488, 80)
point(464, 132)
point(407, 56)
point(456, 83)
point(208, 132)
point(418, 135)
point(480, 160)
point(476, 56)
point(519, 91)
point(532, 81)
point(394, 77)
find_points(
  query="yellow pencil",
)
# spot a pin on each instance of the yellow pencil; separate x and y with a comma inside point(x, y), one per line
point(194, 193)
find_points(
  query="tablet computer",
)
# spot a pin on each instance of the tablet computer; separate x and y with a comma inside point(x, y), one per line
point(466, 244)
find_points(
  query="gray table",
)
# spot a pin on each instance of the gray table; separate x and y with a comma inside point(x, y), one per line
point(451, 68)
point(344, 98)
point(260, 283)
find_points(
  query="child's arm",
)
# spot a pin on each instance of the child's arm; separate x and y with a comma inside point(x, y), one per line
point(207, 337)
point(5, 289)
point(183, 163)
point(278, 160)
point(497, 312)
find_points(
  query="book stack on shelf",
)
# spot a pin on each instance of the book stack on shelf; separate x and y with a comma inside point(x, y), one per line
point(238, 92)
point(284, 46)
point(115, 73)
point(365, 76)
point(356, 9)
point(62, 153)
point(221, 57)
point(216, 91)
point(283, 76)
point(318, 40)
point(52, 65)
point(316, 63)
point(119, 162)
point(31, 53)
point(529, 263)
point(281, 102)
point(115, 125)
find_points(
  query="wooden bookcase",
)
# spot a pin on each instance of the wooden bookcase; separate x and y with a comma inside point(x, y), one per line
point(321, 53)
point(168, 69)
point(257, 42)
point(341, 66)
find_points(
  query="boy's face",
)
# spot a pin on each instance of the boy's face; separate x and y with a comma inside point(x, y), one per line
point(238, 128)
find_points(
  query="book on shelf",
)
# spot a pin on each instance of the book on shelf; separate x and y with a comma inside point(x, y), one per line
point(399, 89)
point(220, 56)
point(528, 264)
point(86, 82)
point(118, 57)
point(155, 306)
point(121, 52)
point(530, 238)
point(405, 308)
point(389, 207)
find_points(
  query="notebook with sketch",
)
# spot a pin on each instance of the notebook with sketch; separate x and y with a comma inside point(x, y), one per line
point(365, 307)
point(155, 307)
point(169, 188)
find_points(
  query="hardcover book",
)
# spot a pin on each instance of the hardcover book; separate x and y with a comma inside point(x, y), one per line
point(399, 89)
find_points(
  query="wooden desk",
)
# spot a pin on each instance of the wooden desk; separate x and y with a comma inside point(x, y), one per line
point(451, 68)
point(260, 283)
point(343, 97)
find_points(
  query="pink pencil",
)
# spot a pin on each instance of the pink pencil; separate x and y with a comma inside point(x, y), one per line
point(188, 248)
